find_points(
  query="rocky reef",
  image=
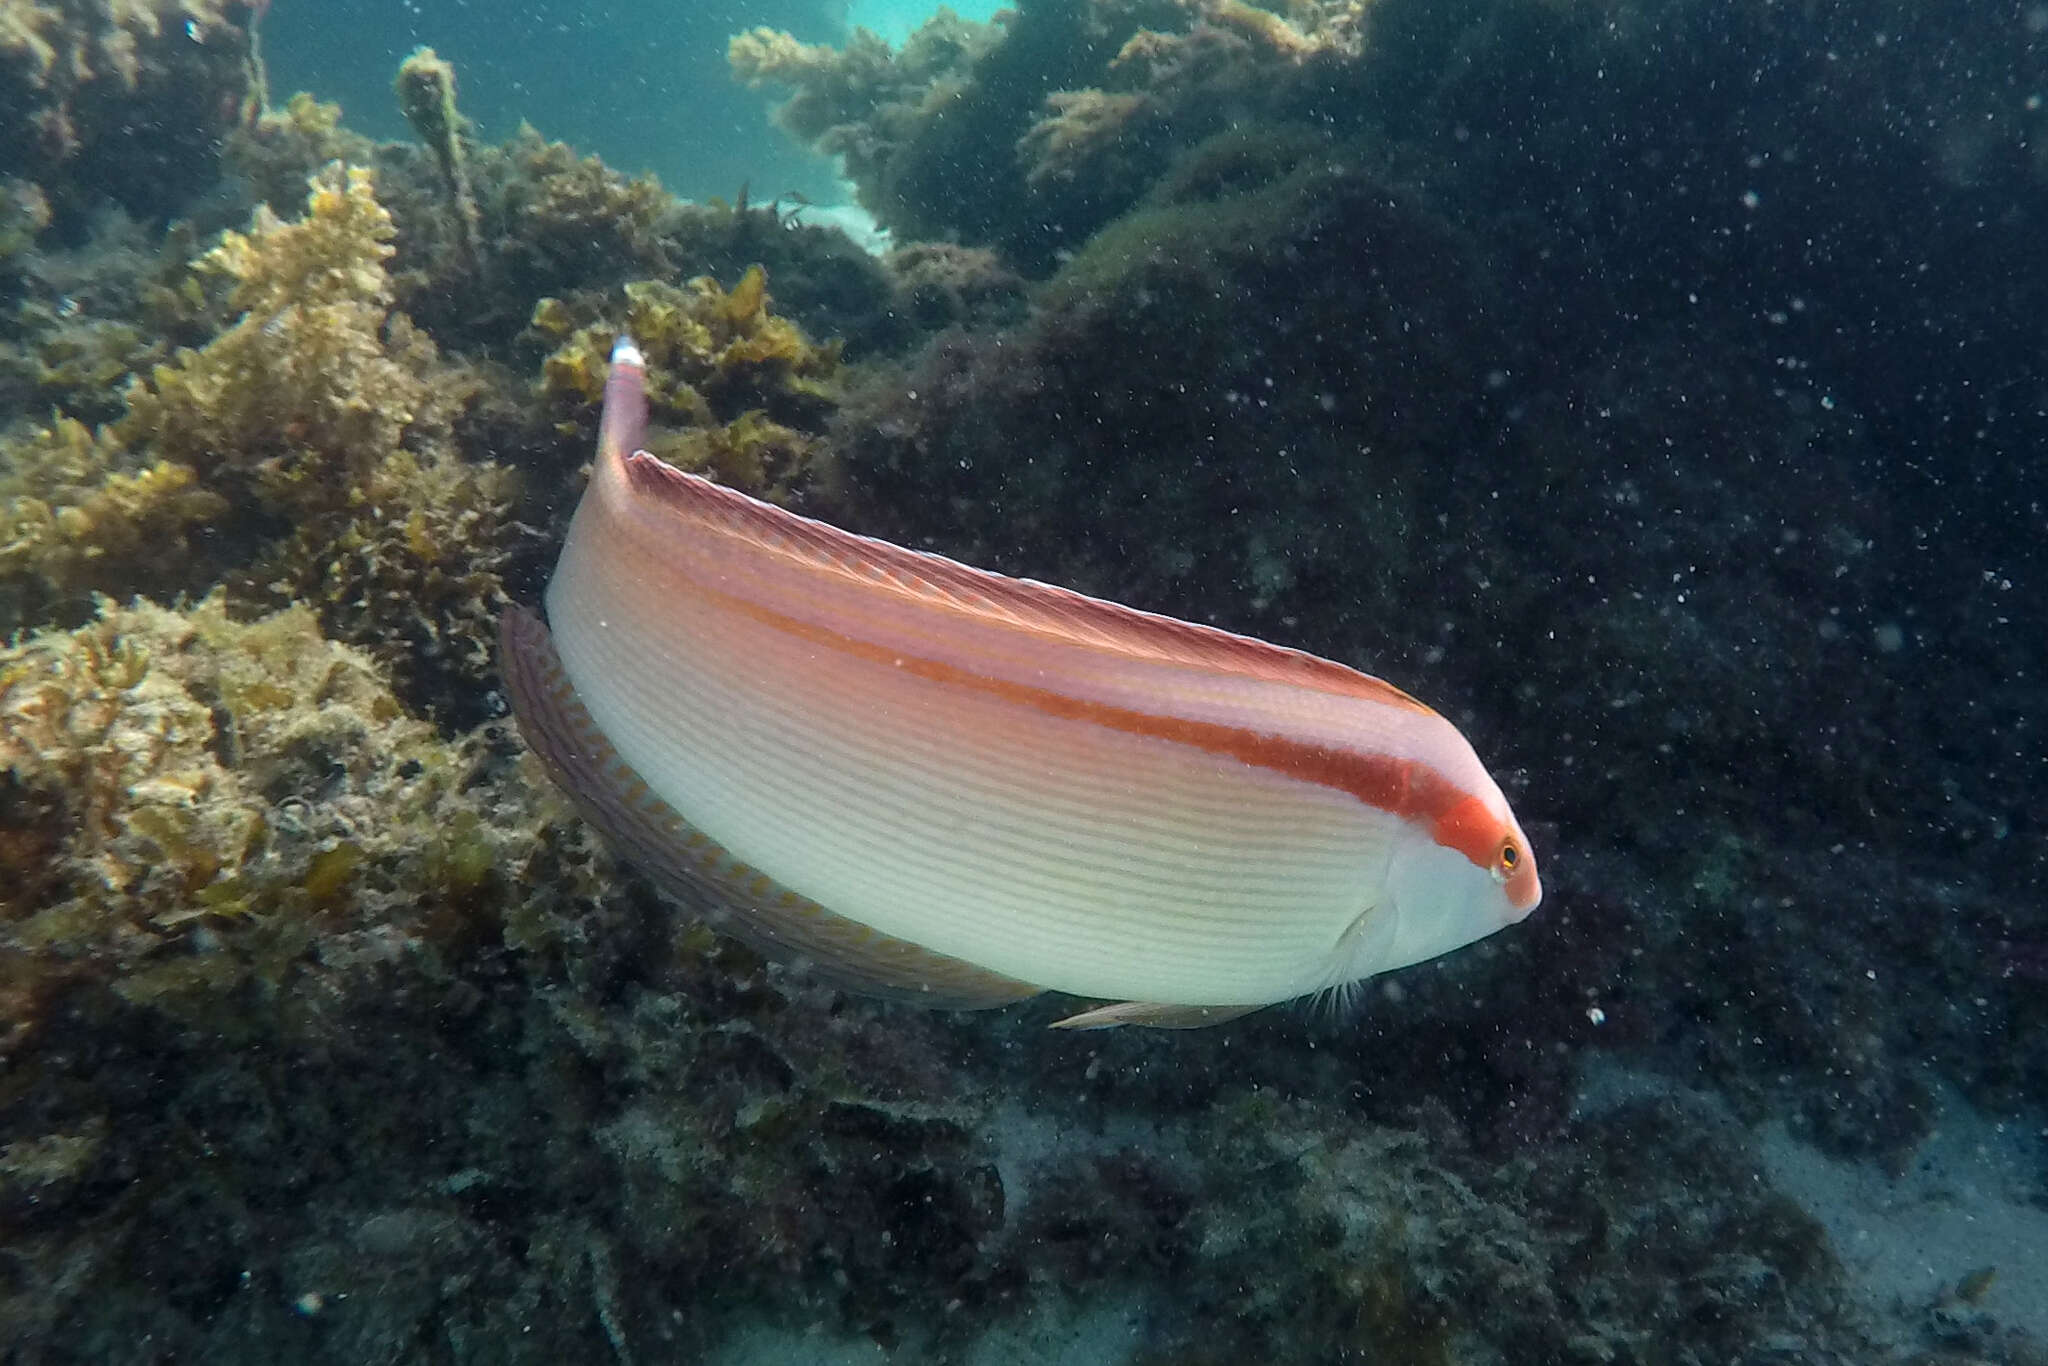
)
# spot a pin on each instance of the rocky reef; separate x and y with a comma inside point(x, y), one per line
point(1530, 354)
point(744, 393)
point(309, 438)
point(1507, 400)
point(76, 72)
point(190, 799)
point(1036, 129)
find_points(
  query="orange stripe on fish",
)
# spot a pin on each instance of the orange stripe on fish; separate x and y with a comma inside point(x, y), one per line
point(1012, 782)
point(1396, 785)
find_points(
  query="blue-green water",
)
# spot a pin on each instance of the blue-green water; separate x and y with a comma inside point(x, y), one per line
point(644, 86)
point(641, 76)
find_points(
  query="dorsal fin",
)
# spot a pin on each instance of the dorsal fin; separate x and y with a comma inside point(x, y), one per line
point(1022, 603)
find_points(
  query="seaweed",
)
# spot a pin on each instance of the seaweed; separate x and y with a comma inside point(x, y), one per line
point(552, 223)
point(1028, 134)
point(482, 230)
point(426, 96)
point(323, 417)
point(302, 454)
point(747, 386)
point(73, 521)
point(277, 150)
point(187, 792)
point(308, 375)
point(711, 354)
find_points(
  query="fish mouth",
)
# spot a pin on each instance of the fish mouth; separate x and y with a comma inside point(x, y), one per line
point(1525, 894)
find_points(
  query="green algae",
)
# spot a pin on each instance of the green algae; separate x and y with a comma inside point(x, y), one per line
point(310, 439)
point(195, 801)
point(744, 390)
point(426, 96)
point(82, 76)
point(1031, 132)
point(77, 518)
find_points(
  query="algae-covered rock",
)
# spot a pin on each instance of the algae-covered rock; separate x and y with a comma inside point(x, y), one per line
point(79, 78)
point(93, 311)
point(24, 213)
point(73, 520)
point(184, 794)
point(943, 284)
point(80, 366)
point(555, 220)
point(323, 417)
point(308, 373)
point(1030, 132)
point(1177, 371)
point(278, 149)
point(1230, 67)
point(874, 107)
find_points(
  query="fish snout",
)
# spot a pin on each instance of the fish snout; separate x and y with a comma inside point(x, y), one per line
point(1524, 890)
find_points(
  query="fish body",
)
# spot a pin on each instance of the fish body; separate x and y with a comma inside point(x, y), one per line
point(949, 785)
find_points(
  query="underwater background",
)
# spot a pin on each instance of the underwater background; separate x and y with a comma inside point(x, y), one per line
point(1659, 387)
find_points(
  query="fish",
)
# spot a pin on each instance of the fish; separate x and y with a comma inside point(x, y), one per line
point(938, 784)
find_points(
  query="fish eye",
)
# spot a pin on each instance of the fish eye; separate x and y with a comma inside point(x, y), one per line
point(1509, 856)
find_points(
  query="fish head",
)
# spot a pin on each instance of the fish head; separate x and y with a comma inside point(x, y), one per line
point(1513, 867)
point(1474, 875)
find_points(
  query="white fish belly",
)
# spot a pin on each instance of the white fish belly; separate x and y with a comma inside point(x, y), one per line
point(1056, 851)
